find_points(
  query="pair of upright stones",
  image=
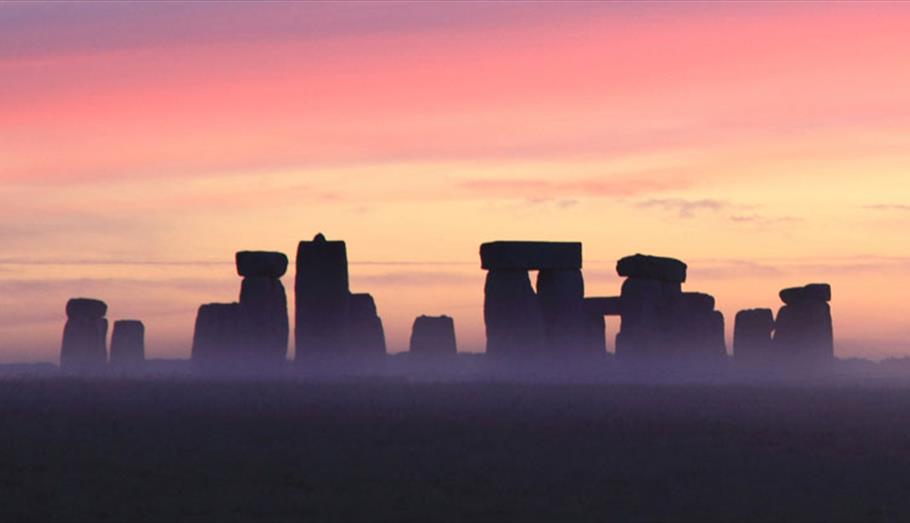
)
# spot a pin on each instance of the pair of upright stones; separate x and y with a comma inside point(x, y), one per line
point(255, 329)
point(520, 320)
point(332, 322)
point(84, 344)
point(803, 329)
point(659, 320)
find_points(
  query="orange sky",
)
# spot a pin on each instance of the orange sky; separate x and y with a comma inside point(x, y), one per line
point(767, 145)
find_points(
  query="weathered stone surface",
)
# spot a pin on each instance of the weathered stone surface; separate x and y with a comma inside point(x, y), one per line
point(264, 319)
point(603, 306)
point(322, 297)
point(560, 293)
point(652, 267)
point(512, 315)
point(218, 336)
point(128, 343)
point(87, 308)
point(261, 263)
point(814, 292)
point(804, 331)
point(530, 255)
point(366, 335)
point(752, 336)
point(433, 336)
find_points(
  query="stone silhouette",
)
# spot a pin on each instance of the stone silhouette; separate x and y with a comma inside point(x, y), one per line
point(128, 343)
point(84, 344)
point(366, 335)
point(331, 321)
point(803, 329)
point(752, 336)
point(323, 298)
point(518, 319)
point(433, 336)
point(263, 306)
point(217, 339)
point(659, 320)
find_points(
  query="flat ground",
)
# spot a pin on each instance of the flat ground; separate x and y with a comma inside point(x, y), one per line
point(390, 450)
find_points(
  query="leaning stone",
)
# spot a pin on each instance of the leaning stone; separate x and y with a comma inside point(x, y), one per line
point(366, 335)
point(812, 292)
point(127, 343)
point(653, 267)
point(322, 297)
point(86, 308)
point(433, 336)
point(530, 255)
point(512, 316)
point(261, 263)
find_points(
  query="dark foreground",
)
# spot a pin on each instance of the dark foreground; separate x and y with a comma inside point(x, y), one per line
point(158, 450)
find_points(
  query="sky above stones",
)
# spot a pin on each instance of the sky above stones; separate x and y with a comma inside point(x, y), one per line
point(141, 144)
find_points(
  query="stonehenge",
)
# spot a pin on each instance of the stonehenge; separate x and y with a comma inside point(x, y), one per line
point(127, 343)
point(84, 344)
point(752, 332)
point(659, 320)
point(331, 321)
point(803, 329)
point(433, 336)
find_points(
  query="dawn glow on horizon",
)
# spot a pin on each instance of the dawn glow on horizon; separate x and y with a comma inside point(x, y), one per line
point(141, 144)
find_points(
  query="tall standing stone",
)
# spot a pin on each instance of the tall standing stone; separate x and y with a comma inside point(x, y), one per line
point(128, 343)
point(433, 336)
point(323, 298)
point(561, 293)
point(263, 306)
point(84, 344)
point(512, 315)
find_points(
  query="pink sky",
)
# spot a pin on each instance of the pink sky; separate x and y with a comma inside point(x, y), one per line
point(767, 145)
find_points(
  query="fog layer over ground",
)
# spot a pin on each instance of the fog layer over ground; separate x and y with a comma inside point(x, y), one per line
point(395, 448)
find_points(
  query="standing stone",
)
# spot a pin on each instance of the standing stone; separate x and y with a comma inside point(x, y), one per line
point(84, 344)
point(322, 297)
point(367, 336)
point(218, 337)
point(697, 330)
point(647, 309)
point(128, 343)
point(752, 336)
point(803, 329)
point(264, 319)
point(562, 304)
point(512, 315)
point(433, 336)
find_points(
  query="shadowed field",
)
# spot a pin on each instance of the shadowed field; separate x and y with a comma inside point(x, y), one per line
point(390, 450)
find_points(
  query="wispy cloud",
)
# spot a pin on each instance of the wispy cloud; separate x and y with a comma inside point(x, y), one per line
point(682, 207)
point(888, 207)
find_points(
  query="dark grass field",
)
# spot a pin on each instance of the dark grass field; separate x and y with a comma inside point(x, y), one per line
point(163, 450)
